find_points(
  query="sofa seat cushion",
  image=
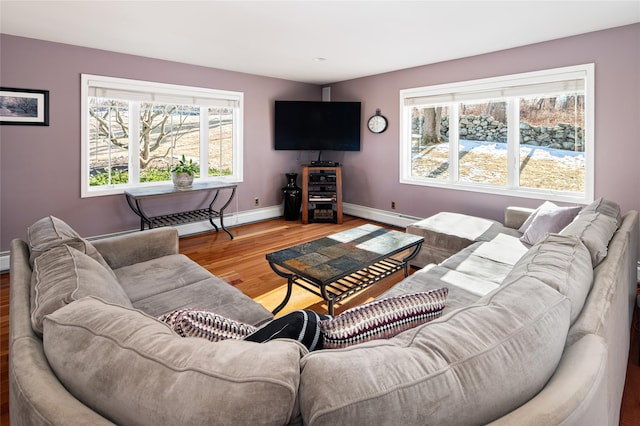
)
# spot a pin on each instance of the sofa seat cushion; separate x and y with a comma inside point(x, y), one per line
point(463, 290)
point(469, 263)
point(561, 262)
point(173, 282)
point(135, 370)
point(50, 232)
point(503, 248)
point(470, 366)
point(447, 233)
point(64, 274)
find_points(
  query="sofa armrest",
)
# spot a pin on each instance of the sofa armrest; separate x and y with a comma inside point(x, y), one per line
point(36, 396)
point(514, 217)
point(129, 249)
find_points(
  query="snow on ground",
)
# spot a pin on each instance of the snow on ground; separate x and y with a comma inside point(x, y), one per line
point(496, 149)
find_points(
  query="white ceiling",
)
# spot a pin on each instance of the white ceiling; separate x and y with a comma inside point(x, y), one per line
point(282, 38)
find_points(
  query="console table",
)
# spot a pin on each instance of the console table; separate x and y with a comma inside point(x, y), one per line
point(135, 197)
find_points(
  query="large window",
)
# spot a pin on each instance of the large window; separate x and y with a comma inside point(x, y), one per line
point(133, 132)
point(528, 135)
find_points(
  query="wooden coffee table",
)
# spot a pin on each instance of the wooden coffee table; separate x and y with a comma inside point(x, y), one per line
point(343, 264)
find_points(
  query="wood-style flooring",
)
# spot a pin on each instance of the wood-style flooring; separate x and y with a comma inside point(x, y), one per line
point(241, 262)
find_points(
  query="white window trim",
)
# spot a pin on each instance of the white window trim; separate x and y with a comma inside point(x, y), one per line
point(495, 86)
point(160, 92)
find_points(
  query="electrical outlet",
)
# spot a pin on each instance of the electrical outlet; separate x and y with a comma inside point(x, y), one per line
point(393, 205)
point(256, 201)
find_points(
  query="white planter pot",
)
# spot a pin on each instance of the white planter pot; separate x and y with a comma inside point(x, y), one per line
point(182, 180)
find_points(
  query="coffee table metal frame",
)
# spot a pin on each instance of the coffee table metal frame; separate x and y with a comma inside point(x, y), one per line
point(336, 288)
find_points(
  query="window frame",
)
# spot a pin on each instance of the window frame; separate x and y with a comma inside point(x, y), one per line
point(170, 93)
point(487, 88)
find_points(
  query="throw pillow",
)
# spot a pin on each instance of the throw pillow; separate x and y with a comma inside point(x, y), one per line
point(527, 223)
point(205, 324)
point(383, 319)
point(548, 219)
point(301, 325)
point(64, 274)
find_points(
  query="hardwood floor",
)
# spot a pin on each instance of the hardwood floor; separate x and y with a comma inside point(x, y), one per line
point(241, 262)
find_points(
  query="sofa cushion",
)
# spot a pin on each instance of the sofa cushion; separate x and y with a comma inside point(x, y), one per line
point(162, 285)
point(64, 274)
point(470, 366)
point(447, 233)
point(301, 325)
point(503, 248)
point(463, 290)
point(606, 207)
point(561, 262)
point(135, 370)
point(548, 218)
point(382, 318)
point(470, 263)
point(205, 324)
point(614, 285)
point(50, 232)
point(595, 229)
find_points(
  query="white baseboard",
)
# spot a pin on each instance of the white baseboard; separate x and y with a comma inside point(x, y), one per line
point(4, 261)
point(382, 216)
point(257, 215)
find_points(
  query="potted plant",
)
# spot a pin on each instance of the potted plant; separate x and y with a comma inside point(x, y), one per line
point(183, 172)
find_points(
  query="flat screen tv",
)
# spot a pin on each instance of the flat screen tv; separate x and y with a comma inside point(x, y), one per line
point(317, 126)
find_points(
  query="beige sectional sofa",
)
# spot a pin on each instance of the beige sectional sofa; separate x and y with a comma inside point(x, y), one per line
point(530, 335)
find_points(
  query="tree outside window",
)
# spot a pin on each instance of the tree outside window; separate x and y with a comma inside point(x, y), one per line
point(130, 142)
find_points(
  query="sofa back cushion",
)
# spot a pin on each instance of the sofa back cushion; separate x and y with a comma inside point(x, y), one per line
point(606, 207)
point(64, 274)
point(470, 366)
point(595, 229)
point(135, 370)
point(561, 262)
point(613, 279)
point(50, 232)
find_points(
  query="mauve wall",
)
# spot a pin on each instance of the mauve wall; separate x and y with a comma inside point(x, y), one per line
point(40, 166)
point(371, 176)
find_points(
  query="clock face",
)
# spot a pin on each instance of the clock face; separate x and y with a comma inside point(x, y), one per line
point(377, 124)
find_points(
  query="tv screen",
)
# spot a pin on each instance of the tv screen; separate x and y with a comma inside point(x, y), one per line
point(317, 126)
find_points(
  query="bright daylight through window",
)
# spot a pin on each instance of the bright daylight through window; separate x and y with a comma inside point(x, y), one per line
point(528, 135)
point(133, 132)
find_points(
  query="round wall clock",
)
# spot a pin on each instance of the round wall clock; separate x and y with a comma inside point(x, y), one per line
point(377, 123)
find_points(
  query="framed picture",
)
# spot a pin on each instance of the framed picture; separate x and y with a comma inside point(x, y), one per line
point(24, 106)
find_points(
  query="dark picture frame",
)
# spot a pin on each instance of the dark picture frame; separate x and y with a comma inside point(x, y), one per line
point(24, 107)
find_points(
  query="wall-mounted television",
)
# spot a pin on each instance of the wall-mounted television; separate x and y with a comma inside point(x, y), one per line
point(317, 126)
